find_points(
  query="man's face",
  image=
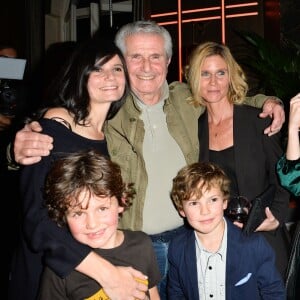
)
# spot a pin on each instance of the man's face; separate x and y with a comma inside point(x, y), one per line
point(147, 65)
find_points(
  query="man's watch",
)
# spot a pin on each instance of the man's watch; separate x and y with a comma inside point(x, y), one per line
point(12, 165)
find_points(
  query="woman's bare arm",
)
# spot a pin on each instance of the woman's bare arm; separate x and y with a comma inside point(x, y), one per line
point(293, 145)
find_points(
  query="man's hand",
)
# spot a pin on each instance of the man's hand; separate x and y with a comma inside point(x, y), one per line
point(275, 110)
point(119, 283)
point(127, 283)
point(30, 145)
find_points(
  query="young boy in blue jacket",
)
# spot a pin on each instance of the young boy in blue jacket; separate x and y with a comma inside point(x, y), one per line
point(214, 259)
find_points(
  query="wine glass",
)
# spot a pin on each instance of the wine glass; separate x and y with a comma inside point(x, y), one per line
point(238, 209)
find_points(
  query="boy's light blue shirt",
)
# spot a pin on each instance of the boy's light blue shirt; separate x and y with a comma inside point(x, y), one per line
point(211, 269)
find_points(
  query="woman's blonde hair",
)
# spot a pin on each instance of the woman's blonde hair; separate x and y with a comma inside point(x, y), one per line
point(238, 86)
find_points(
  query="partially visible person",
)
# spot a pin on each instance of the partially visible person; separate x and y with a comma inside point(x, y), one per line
point(152, 136)
point(85, 192)
point(292, 281)
point(7, 178)
point(13, 97)
point(288, 166)
point(8, 49)
point(5, 122)
point(10, 97)
point(91, 90)
point(231, 135)
point(212, 259)
point(288, 170)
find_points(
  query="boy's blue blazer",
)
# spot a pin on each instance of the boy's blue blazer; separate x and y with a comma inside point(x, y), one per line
point(250, 267)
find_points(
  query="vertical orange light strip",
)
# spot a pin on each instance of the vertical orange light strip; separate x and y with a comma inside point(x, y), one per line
point(179, 40)
point(223, 20)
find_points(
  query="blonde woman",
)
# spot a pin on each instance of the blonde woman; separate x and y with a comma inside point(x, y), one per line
point(231, 135)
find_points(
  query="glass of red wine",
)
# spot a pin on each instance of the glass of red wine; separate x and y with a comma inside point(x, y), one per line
point(238, 209)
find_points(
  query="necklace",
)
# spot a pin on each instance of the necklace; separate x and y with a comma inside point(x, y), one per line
point(222, 129)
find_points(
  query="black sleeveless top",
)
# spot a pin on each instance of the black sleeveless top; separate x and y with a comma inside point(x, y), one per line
point(225, 159)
